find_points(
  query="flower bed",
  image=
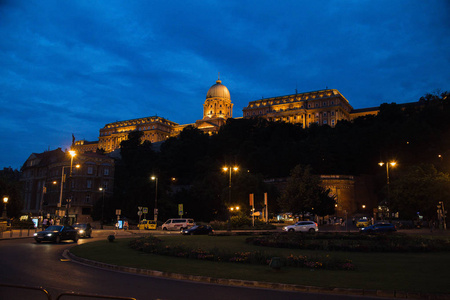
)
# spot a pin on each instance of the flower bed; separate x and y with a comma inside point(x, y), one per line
point(151, 244)
point(352, 242)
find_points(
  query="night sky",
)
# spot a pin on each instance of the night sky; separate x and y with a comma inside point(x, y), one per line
point(74, 66)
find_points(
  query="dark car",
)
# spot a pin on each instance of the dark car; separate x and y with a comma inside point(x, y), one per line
point(379, 227)
point(84, 229)
point(57, 233)
point(198, 229)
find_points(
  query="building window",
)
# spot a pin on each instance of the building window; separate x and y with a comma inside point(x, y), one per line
point(324, 114)
point(89, 184)
point(90, 170)
point(87, 199)
point(332, 122)
point(106, 171)
point(324, 121)
point(324, 104)
point(332, 113)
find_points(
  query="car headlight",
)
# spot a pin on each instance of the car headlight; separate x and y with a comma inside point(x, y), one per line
point(49, 234)
point(35, 234)
point(81, 231)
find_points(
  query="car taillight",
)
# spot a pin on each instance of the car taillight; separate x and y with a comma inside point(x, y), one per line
point(316, 224)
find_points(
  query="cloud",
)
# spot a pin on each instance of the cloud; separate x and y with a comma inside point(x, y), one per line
point(74, 66)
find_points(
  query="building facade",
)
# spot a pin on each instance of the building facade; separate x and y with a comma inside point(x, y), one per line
point(325, 107)
point(217, 108)
point(66, 189)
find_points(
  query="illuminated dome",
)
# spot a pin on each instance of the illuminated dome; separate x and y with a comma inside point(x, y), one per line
point(218, 90)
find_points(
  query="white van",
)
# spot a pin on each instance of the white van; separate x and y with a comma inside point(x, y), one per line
point(178, 224)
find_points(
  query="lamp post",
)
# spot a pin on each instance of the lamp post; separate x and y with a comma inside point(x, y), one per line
point(231, 210)
point(63, 179)
point(392, 164)
point(103, 203)
point(5, 200)
point(155, 211)
point(226, 169)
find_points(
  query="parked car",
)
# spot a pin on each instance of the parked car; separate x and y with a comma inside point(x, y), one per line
point(56, 234)
point(364, 222)
point(84, 229)
point(379, 227)
point(178, 224)
point(198, 229)
point(302, 226)
point(147, 224)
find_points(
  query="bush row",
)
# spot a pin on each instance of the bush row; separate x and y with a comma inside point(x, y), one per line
point(151, 244)
point(352, 242)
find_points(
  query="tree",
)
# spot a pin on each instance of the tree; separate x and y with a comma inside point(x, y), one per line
point(11, 187)
point(303, 193)
point(419, 189)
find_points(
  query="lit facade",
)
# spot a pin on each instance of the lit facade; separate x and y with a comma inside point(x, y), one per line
point(216, 110)
point(325, 107)
point(51, 189)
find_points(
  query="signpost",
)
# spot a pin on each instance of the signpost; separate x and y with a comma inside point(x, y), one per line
point(145, 212)
point(139, 213)
point(180, 210)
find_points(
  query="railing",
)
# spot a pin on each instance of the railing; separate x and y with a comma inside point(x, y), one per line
point(22, 232)
point(13, 292)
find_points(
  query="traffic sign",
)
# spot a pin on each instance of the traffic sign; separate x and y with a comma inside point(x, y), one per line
point(145, 210)
point(180, 209)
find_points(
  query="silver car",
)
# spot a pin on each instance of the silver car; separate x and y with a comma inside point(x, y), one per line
point(302, 226)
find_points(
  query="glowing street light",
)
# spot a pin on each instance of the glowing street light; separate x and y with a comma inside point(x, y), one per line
point(392, 164)
point(155, 211)
point(229, 169)
point(5, 200)
point(101, 189)
point(234, 208)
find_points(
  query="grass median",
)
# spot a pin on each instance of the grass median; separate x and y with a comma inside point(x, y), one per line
point(410, 272)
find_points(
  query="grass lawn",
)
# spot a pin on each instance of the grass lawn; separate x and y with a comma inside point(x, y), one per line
point(411, 272)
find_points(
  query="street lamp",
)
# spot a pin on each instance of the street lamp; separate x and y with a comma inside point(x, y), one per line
point(155, 211)
point(392, 164)
point(226, 169)
point(72, 155)
point(103, 203)
point(63, 179)
point(231, 210)
point(5, 200)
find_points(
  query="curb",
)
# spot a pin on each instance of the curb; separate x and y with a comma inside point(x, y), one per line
point(258, 284)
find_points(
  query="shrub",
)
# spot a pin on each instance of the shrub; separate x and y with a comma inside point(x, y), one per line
point(151, 244)
point(352, 242)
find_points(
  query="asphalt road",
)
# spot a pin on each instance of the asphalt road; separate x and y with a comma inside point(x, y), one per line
point(26, 263)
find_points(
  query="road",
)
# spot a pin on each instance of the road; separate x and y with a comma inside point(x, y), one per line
point(26, 263)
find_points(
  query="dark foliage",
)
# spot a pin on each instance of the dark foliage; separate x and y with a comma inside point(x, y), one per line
point(410, 134)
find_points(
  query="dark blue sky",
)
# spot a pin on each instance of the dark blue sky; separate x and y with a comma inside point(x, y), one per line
point(74, 66)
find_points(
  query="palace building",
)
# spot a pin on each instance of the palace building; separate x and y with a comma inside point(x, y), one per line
point(325, 107)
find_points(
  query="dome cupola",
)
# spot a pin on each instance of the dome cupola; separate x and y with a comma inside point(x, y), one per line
point(218, 90)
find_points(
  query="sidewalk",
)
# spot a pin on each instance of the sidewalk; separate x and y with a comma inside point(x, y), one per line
point(28, 233)
point(97, 233)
